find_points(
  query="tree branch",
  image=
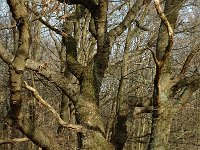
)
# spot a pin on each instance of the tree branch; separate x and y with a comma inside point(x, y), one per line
point(58, 31)
point(77, 128)
point(60, 80)
point(138, 24)
point(15, 140)
point(74, 66)
point(17, 67)
point(154, 58)
point(189, 90)
point(185, 82)
point(128, 19)
point(91, 5)
point(193, 52)
point(169, 30)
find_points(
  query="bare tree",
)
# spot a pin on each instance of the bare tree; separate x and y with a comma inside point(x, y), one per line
point(84, 36)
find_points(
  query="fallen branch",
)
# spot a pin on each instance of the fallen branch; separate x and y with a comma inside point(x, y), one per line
point(12, 141)
point(77, 128)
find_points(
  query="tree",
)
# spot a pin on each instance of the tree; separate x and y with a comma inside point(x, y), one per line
point(166, 85)
point(78, 64)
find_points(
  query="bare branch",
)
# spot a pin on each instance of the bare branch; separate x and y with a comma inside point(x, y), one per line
point(52, 27)
point(169, 30)
point(186, 81)
point(194, 51)
point(138, 24)
point(58, 31)
point(163, 18)
point(117, 8)
point(128, 19)
point(91, 5)
point(51, 109)
point(190, 89)
point(60, 80)
point(15, 140)
point(154, 58)
point(74, 66)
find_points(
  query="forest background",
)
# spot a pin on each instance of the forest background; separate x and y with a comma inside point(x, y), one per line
point(99, 74)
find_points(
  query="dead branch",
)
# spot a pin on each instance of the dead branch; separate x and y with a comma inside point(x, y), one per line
point(77, 128)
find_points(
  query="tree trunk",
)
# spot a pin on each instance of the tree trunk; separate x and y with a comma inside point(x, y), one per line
point(162, 102)
point(162, 120)
point(94, 135)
